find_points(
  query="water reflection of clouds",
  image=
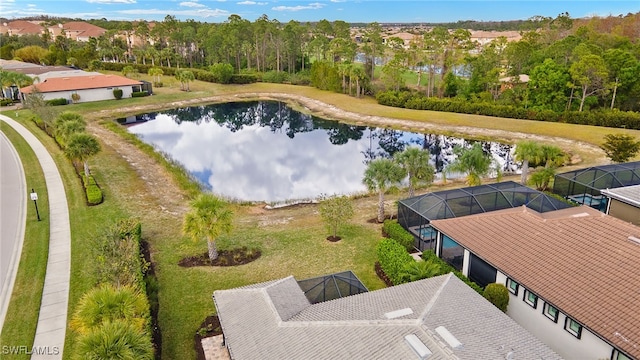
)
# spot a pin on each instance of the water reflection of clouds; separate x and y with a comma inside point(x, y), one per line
point(258, 164)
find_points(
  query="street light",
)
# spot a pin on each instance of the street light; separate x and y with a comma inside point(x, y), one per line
point(34, 197)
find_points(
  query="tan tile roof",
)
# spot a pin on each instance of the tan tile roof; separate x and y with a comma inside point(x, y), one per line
point(578, 259)
point(22, 27)
point(81, 83)
point(84, 29)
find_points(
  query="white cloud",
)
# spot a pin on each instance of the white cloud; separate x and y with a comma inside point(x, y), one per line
point(312, 6)
point(111, 1)
point(191, 4)
point(31, 5)
point(248, 2)
point(205, 13)
point(338, 1)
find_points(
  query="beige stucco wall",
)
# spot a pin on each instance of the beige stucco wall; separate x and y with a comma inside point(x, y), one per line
point(624, 211)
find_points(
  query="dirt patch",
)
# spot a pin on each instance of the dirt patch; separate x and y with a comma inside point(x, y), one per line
point(233, 257)
point(334, 238)
point(209, 327)
point(381, 274)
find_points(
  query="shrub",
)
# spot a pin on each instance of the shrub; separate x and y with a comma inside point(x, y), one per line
point(446, 268)
point(393, 258)
point(396, 232)
point(92, 190)
point(243, 79)
point(139, 94)
point(276, 77)
point(57, 102)
point(498, 295)
point(6, 102)
point(222, 72)
point(117, 93)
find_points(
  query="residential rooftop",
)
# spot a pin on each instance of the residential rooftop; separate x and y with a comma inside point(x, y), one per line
point(80, 83)
point(581, 261)
point(274, 320)
point(627, 194)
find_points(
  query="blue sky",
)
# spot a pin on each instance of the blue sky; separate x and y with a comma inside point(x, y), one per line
point(313, 10)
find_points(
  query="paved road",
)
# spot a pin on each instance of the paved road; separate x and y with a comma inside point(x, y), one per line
point(13, 200)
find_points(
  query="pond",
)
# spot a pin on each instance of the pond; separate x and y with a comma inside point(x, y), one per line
point(266, 151)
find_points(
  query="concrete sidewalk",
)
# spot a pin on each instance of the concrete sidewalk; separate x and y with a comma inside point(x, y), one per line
point(52, 320)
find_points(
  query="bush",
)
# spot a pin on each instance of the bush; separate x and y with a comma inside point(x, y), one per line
point(396, 232)
point(6, 102)
point(393, 259)
point(498, 295)
point(92, 190)
point(243, 79)
point(222, 72)
point(57, 102)
point(276, 77)
point(139, 94)
point(446, 268)
point(117, 93)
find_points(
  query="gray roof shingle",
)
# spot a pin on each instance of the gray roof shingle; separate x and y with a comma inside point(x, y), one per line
point(260, 322)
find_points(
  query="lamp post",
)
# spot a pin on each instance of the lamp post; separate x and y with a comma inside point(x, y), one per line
point(34, 197)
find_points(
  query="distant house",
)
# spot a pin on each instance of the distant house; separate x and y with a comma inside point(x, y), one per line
point(21, 27)
point(483, 37)
point(624, 203)
point(437, 318)
point(77, 30)
point(509, 82)
point(572, 273)
point(90, 88)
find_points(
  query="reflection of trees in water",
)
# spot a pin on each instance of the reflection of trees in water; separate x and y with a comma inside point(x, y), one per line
point(280, 118)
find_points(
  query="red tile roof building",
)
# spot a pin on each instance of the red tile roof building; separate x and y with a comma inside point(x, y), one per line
point(579, 260)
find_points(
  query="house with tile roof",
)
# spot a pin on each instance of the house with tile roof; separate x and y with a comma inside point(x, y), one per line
point(436, 318)
point(89, 87)
point(624, 203)
point(21, 27)
point(572, 273)
point(77, 30)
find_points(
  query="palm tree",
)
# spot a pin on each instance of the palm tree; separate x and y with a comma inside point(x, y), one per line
point(527, 151)
point(380, 174)
point(418, 270)
point(208, 218)
point(157, 74)
point(552, 156)
point(415, 162)
point(81, 147)
point(106, 304)
point(115, 340)
point(65, 130)
point(472, 161)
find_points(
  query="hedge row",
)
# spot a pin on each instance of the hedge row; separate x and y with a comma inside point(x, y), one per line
point(199, 74)
point(92, 190)
point(446, 268)
point(57, 102)
point(6, 102)
point(418, 101)
point(396, 232)
point(393, 258)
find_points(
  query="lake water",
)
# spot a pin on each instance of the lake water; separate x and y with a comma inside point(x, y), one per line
point(265, 151)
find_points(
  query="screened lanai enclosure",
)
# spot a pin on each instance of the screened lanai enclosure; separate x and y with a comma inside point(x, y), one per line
point(583, 186)
point(330, 287)
point(416, 213)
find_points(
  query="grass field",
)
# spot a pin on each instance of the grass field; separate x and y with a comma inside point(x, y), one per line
point(292, 240)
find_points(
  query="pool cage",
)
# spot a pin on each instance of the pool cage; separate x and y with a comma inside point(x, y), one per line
point(415, 214)
point(583, 186)
point(330, 287)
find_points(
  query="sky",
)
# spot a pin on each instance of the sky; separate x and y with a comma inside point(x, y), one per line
point(366, 11)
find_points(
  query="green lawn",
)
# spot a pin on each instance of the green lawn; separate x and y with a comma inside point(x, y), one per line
point(291, 240)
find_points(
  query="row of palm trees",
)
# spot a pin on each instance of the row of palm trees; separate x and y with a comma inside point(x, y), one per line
point(413, 164)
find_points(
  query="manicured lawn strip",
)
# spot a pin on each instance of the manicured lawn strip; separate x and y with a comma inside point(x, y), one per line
point(22, 314)
point(86, 223)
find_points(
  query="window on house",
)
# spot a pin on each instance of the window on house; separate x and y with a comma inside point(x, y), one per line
point(531, 298)
point(617, 355)
point(513, 286)
point(551, 312)
point(573, 327)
